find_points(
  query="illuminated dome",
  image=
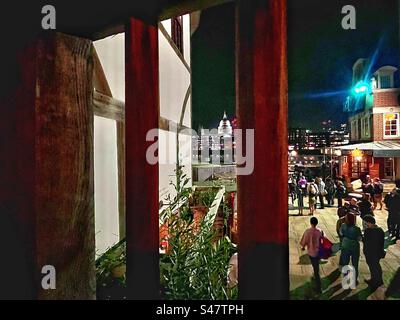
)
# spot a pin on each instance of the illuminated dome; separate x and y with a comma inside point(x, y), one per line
point(224, 127)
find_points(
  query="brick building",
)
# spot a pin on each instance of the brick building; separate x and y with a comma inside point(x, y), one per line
point(374, 113)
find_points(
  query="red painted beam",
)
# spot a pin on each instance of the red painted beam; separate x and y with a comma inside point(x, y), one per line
point(262, 106)
point(142, 114)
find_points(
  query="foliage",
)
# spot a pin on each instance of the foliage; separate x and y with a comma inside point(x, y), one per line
point(109, 286)
point(197, 263)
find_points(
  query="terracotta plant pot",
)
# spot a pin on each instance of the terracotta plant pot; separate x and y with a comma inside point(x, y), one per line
point(119, 271)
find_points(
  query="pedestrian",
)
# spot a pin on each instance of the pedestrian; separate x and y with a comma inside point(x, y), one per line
point(340, 192)
point(302, 182)
point(378, 191)
point(292, 189)
point(374, 251)
point(321, 191)
point(353, 207)
point(368, 187)
point(312, 196)
point(311, 240)
point(301, 192)
point(342, 213)
point(331, 190)
point(365, 207)
point(350, 248)
point(392, 202)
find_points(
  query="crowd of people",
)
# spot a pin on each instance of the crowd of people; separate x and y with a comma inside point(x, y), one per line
point(350, 234)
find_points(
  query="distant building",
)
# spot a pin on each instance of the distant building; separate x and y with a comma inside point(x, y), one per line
point(374, 114)
point(215, 146)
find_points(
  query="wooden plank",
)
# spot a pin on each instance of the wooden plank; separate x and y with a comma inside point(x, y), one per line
point(107, 107)
point(262, 106)
point(142, 115)
point(51, 193)
point(121, 158)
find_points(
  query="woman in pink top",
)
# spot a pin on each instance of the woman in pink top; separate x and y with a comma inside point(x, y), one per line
point(311, 240)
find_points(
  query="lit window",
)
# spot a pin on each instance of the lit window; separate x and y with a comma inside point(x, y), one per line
point(391, 124)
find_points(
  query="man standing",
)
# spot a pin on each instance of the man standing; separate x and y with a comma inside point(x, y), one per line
point(392, 202)
point(312, 239)
point(374, 251)
point(321, 191)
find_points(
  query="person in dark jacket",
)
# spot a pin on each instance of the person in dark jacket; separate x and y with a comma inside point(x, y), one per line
point(365, 207)
point(340, 192)
point(374, 251)
point(392, 202)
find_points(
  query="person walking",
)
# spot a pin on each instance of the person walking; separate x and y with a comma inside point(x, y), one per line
point(312, 196)
point(374, 240)
point(321, 191)
point(340, 192)
point(350, 248)
point(365, 207)
point(331, 190)
point(378, 191)
point(368, 187)
point(301, 192)
point(292, 189)
point(311, 240)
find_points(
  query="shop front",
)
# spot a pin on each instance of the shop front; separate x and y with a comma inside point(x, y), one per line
point(376, 159)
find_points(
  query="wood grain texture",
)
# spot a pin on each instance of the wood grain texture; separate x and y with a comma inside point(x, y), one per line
point(49, 167)
point(64, 165)
point(107, 107)
point(262, 106)
point(142, 115)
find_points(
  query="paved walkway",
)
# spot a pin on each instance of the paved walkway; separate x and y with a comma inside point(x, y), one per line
point(301, 271)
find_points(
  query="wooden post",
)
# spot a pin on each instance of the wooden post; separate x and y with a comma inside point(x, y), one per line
point(46, 193)
point(262, 106)
point(142, 115)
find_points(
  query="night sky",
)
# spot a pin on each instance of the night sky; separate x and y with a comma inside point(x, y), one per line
point(320, 58)
point(321, 54)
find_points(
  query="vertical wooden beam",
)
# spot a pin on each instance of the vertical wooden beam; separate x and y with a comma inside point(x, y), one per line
point(121, 158)
point(262, 106)
point(50, 141)
point(142, 115)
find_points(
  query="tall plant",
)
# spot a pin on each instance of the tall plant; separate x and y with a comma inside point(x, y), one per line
point(197, 262)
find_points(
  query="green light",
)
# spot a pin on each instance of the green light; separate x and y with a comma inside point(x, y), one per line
point(361, 88)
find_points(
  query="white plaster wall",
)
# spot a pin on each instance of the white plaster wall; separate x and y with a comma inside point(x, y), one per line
point(105, 184)
point(174, 82)
point(111, 52)
point(167, 25)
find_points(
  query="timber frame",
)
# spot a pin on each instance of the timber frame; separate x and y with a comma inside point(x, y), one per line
point(47, 196)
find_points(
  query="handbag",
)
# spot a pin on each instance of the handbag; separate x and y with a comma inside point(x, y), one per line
point(325, 248)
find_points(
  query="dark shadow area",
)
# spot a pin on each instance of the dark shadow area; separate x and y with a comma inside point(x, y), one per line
point(308, 290)
point(361, 295)
point(342, 295)
point(305, 260)
point(393, 289)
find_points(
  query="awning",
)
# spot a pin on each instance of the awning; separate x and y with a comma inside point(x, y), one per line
point(382, 149)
